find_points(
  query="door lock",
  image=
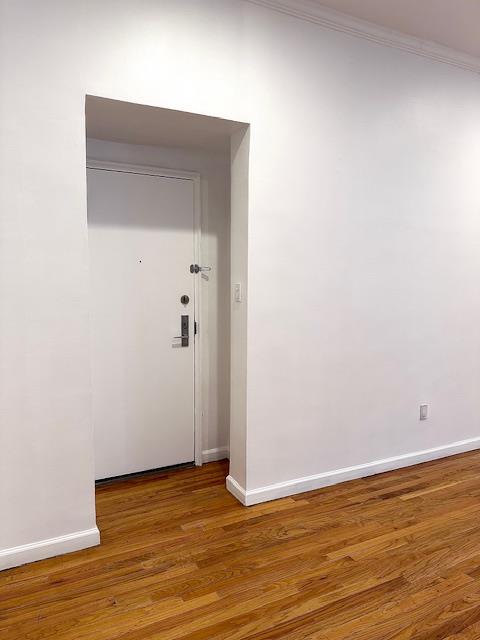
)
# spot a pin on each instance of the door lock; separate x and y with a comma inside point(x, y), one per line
point(185, 337)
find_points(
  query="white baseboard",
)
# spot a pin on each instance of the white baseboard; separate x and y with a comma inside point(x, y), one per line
point(237, 490)
point(220, 453)
point(16, 556)
point(309, 483)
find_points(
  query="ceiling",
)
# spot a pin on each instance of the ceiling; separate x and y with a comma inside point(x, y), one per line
point(139, 124)
point(452, 23)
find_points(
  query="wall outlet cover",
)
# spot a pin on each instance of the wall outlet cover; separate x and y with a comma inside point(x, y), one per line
point(423, 411)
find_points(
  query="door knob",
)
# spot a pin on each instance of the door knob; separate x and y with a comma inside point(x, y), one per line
point(195, 268)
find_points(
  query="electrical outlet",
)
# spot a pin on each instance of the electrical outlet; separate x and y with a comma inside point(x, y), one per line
point(423, 411)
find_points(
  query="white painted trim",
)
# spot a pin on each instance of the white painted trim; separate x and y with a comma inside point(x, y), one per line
point(143, 169)
point(312, 11)
point(16, 556)
point(201, 339)
point(309, 483)
point(236, 490)
point(219, 453)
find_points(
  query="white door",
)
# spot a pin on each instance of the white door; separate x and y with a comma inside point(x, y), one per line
point(141, 243)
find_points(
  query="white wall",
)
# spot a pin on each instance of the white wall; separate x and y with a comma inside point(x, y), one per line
point(365, 232)
point(240, 149)
point(363, 241)
point(214, 170)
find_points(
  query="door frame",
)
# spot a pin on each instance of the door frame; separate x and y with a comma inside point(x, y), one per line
point(200, 345)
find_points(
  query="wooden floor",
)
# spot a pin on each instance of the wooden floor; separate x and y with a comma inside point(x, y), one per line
point(395, 556)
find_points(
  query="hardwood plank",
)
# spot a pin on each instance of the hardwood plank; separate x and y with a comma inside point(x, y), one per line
point(394, 556)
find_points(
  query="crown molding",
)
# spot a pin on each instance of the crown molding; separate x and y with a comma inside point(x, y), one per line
point(312, 11)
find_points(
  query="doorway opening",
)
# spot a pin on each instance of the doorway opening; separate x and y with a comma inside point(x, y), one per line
point(159, 224)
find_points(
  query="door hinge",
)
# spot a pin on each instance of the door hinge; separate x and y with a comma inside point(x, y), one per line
point(195, 328)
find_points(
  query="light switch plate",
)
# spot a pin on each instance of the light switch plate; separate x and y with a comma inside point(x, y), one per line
point(237, 292)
